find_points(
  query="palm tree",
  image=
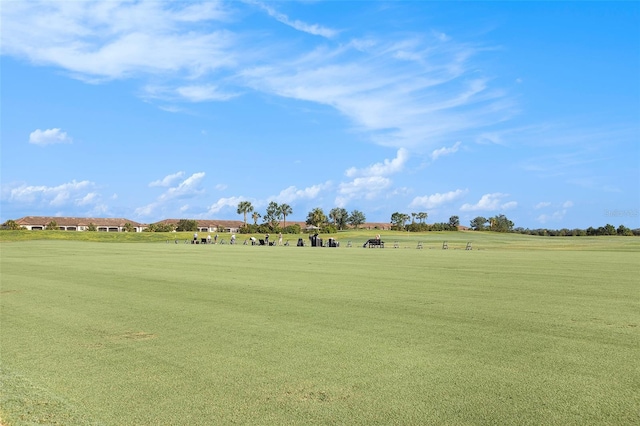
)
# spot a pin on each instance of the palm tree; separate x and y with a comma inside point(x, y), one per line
point(285, 210)
point(316, 217)
point(245, 207)
point(255, 216)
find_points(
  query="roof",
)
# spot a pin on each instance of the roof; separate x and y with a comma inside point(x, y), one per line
point(75, 221)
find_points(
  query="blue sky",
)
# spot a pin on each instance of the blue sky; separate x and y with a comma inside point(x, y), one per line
point(154, 110)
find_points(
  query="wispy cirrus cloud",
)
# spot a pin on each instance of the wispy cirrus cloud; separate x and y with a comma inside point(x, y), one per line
point(403, 93)
point(314, 29)
point(49, 137)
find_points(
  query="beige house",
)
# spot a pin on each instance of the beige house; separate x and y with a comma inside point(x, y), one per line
point(38, 223)
point(209, 225)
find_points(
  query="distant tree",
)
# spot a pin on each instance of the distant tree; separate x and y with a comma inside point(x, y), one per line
point(356, 218)
point(244, 207)
point(422, 216)
point(255, 216)
point(454, 222)
point(285, 210)
point(398, 220)
point(316, 217)
point(187, 225)
point(413, 217)
point(623, 230)
point(52, 226)
point(479, 223)
point(93, 228)
point(273, 215)
point(12, 225)
point(339, 216)
point(128, 227)
point(500, 223)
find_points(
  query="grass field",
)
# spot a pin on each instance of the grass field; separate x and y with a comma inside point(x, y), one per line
point(520, 330)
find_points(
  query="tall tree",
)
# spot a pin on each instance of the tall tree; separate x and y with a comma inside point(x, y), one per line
point(285, 210)
point(339, 216)
point(454, 222)
point(398, 220)
point(356, 218)
point(479, 223)
point(422, 216)
point(500, 223)
point(273, 214)
point(245, 207)
point(316, 217)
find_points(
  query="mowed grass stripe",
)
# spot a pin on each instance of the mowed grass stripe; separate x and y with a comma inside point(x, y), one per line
point(184, 334)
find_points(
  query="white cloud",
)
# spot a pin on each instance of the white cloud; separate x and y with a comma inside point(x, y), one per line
point(224, 203)
point(402, 90)
point(221, 187)
point(49, 137)
point(291, 194)
point(445, 151)
point(363, 187)
point(437, 199)
point(90, 198)
point(385, 168)
point(490, 202)
point(567, 204)
point(167, 180)
point(74, 193)
point(110, 40)
point(188, 188)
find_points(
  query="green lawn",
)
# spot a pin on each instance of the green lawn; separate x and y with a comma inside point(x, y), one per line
point(520, 330)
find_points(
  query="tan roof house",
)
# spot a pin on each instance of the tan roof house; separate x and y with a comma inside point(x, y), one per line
point(210, 225)
point(36, 223)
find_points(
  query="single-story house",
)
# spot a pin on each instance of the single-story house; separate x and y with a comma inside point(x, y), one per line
point(210, 225)
point(36, 223)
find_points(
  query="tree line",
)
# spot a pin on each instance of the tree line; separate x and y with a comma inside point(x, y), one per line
point(275, 220)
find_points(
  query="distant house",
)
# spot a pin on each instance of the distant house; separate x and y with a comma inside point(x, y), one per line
point(209, 225)
point(38, 223)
